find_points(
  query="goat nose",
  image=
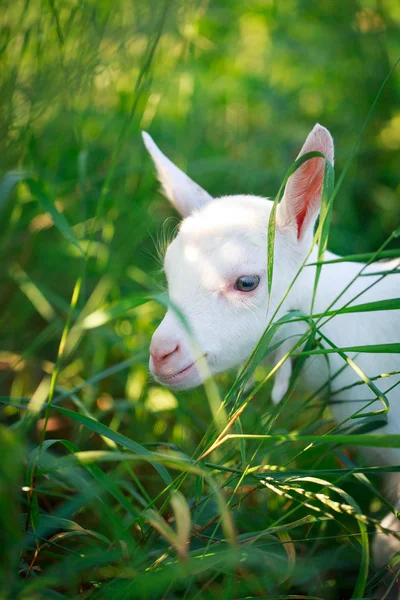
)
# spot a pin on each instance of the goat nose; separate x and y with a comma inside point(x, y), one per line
point(163, 350)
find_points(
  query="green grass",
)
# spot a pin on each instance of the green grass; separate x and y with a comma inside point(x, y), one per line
point(110, 486)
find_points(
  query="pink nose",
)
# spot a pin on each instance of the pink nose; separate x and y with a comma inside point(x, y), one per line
point(163, 350)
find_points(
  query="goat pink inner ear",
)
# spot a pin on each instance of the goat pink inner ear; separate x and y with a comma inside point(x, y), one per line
point(301, 202)
point(313, 176)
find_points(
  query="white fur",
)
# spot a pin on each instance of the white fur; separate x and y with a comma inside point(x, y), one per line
point(223, 239)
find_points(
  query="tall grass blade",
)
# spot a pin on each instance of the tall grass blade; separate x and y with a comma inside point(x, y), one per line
point(325, 222)
point(8, 184)
point(272, 219)
point(37, 190)
point(116, 437)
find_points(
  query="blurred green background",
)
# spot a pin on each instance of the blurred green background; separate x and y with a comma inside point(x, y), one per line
point(229, 90)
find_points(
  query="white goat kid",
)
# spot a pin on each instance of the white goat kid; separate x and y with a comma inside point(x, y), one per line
point(216, 272)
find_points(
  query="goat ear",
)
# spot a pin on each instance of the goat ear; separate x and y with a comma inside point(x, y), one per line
point(180, 190)
point(301, 202)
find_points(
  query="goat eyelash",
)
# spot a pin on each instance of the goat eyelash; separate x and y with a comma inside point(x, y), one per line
point(164, 239)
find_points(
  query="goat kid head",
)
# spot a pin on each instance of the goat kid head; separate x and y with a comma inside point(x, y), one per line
point(216, 266)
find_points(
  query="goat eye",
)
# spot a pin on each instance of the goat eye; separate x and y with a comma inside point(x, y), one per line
point(247, 283)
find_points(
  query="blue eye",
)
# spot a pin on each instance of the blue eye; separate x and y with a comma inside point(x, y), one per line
point(247, 283)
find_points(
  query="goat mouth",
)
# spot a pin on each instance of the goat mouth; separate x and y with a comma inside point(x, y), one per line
point(174, 376)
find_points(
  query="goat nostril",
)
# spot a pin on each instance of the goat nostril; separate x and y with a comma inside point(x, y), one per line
point(161, 356)
point(170, 353)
